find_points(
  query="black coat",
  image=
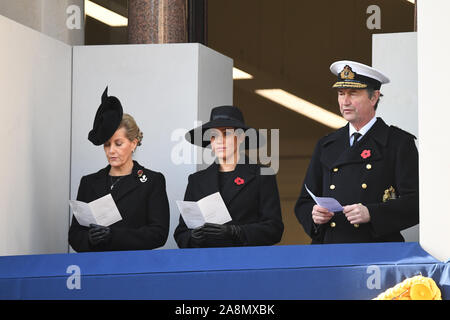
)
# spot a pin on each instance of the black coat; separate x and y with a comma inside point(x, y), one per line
point(339, 171)
point(254, 205)
point(143, 206)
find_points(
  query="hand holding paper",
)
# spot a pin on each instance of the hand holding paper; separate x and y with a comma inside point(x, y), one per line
point(98, 234)
point(210, 209)
point(328, 203)
point(102, 211)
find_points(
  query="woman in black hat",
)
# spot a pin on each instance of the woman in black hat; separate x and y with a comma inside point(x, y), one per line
point(251, 198)
point(139, 193)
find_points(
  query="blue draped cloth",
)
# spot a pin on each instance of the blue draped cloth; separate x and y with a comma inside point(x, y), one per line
point(335, 271)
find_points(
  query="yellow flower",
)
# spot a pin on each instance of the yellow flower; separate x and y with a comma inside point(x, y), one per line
point(415, 288)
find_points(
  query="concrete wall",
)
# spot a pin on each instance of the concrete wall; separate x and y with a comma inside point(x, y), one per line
point(395, 54)
point(51, 92)
point(433, 46)
point(166, 88)
point(35, 86)
point(54, 18)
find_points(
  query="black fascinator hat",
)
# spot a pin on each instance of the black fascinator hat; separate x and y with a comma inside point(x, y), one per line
point(107, 119)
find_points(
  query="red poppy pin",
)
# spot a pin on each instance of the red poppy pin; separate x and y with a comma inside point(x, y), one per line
point(239, 181)
point(365, 154)
point(140, 173)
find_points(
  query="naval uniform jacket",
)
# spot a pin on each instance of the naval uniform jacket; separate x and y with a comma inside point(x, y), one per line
point(385, 157)
point(254, 204)
point(142, 202)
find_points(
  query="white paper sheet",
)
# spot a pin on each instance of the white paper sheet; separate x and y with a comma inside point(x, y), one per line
point(102, 211)
point(329, 203)
point(210, 209)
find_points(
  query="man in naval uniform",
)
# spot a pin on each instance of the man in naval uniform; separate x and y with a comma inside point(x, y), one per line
point(370, 168)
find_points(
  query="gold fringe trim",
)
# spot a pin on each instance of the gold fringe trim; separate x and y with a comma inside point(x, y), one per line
point(347, 84)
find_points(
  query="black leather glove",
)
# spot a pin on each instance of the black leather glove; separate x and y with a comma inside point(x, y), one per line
point(236, 234)
point(98, 234)
point(197, 238)
point(222, 234)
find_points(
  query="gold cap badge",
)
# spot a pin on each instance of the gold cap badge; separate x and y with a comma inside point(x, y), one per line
point(347, 73)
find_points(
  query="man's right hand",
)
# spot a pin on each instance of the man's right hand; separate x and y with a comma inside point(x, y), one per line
point(321, 215)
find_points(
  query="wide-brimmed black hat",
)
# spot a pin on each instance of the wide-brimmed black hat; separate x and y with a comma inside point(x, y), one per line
point(107, 119)
point(222, 116)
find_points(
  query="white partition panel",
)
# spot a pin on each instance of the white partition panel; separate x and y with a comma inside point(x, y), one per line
point(433, 45)
point(35, 86)
point(396, 55)
point(166, 88)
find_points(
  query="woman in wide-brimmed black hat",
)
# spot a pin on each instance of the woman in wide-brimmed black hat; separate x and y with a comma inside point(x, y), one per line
point(251, 198)
point(139, 193)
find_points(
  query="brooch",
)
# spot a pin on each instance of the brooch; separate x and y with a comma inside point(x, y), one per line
point(142, 177)
point(239, 181)
point(365, 154)
point(389, 194)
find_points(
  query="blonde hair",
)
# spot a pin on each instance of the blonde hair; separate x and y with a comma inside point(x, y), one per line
point(131, 128)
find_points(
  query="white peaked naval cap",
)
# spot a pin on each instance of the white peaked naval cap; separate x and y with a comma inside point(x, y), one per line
point(356, 75)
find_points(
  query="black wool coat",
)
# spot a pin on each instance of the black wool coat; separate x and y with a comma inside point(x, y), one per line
point(254, 205)
point(142, 203)
point(385, 157)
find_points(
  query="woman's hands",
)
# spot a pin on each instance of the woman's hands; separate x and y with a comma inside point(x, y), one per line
point(98, 234)
point(216, 235)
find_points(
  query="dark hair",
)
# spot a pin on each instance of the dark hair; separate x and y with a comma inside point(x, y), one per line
point(371, 92)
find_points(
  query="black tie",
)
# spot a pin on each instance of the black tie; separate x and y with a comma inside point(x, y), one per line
point(355, 136)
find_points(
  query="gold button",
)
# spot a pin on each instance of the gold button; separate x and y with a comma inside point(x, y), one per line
point(364, 186)
point(356, 225)
point(333, 224)
point(332, 187)
point(368, 166)
point(335, 169)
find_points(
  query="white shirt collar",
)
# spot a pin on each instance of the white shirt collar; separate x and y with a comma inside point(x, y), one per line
point(363, 130)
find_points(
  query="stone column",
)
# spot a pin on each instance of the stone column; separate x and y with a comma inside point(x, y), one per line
point(157, 21)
